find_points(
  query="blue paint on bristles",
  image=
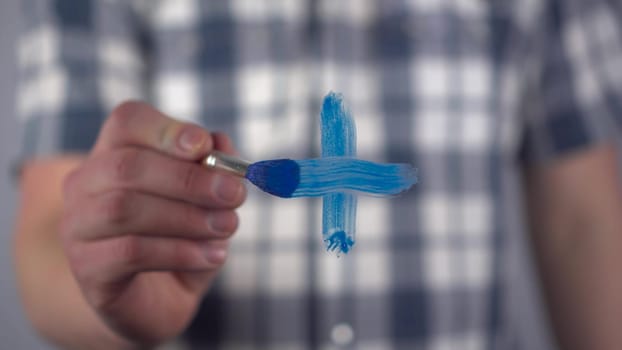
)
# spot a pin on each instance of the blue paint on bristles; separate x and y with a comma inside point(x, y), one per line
point(279, 177)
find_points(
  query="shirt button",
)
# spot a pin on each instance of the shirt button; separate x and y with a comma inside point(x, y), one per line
point(342, 334)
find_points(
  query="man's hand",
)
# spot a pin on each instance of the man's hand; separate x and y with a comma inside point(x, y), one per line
point(145, 228)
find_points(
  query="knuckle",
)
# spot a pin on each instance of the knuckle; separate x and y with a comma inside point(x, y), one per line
point(125, 167)
point(189, 175)
point(122, 115)
point(124, 118)
point(116, 207)
point(129, 251)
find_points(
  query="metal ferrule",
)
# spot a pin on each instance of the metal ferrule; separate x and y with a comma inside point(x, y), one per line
point(219, 160)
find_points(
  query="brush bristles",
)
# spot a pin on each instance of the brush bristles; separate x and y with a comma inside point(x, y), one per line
point(279, 177)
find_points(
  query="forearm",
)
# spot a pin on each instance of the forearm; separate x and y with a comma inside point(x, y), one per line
point(53, 301)
point(51, 297)
point(584, 287)
point(578, 240)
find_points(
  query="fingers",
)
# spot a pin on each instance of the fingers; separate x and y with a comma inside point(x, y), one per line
point(157, 174)
point(106, 261)
point(223, 143)
point(140, 207)
point(137, 124)
point(122, 212)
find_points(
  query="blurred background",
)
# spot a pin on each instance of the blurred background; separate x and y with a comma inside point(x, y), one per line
point(15, 332)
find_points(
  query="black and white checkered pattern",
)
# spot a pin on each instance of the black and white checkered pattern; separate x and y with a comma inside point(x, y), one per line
point(466, 90)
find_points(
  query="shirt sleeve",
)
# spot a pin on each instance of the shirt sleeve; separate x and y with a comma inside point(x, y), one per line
point(576, 101)
point(76, 60)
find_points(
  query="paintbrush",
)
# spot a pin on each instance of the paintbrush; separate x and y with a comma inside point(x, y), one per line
point(288, 178)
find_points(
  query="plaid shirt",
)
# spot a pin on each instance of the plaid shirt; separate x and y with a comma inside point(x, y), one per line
point(466, 90)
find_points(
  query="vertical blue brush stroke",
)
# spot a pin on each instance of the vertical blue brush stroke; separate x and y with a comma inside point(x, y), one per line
point(338, 136)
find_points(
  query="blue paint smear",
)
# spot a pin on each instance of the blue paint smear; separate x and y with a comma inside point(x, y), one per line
point(323, 176)
point(330, 175)
point(339, 242)
point(337, 176)
point(338, 139)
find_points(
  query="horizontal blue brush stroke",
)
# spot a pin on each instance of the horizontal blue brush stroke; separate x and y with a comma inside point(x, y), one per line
point(322, 176)
point(338, 139)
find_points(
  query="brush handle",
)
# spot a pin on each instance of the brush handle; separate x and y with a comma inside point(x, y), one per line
point(231, 164)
